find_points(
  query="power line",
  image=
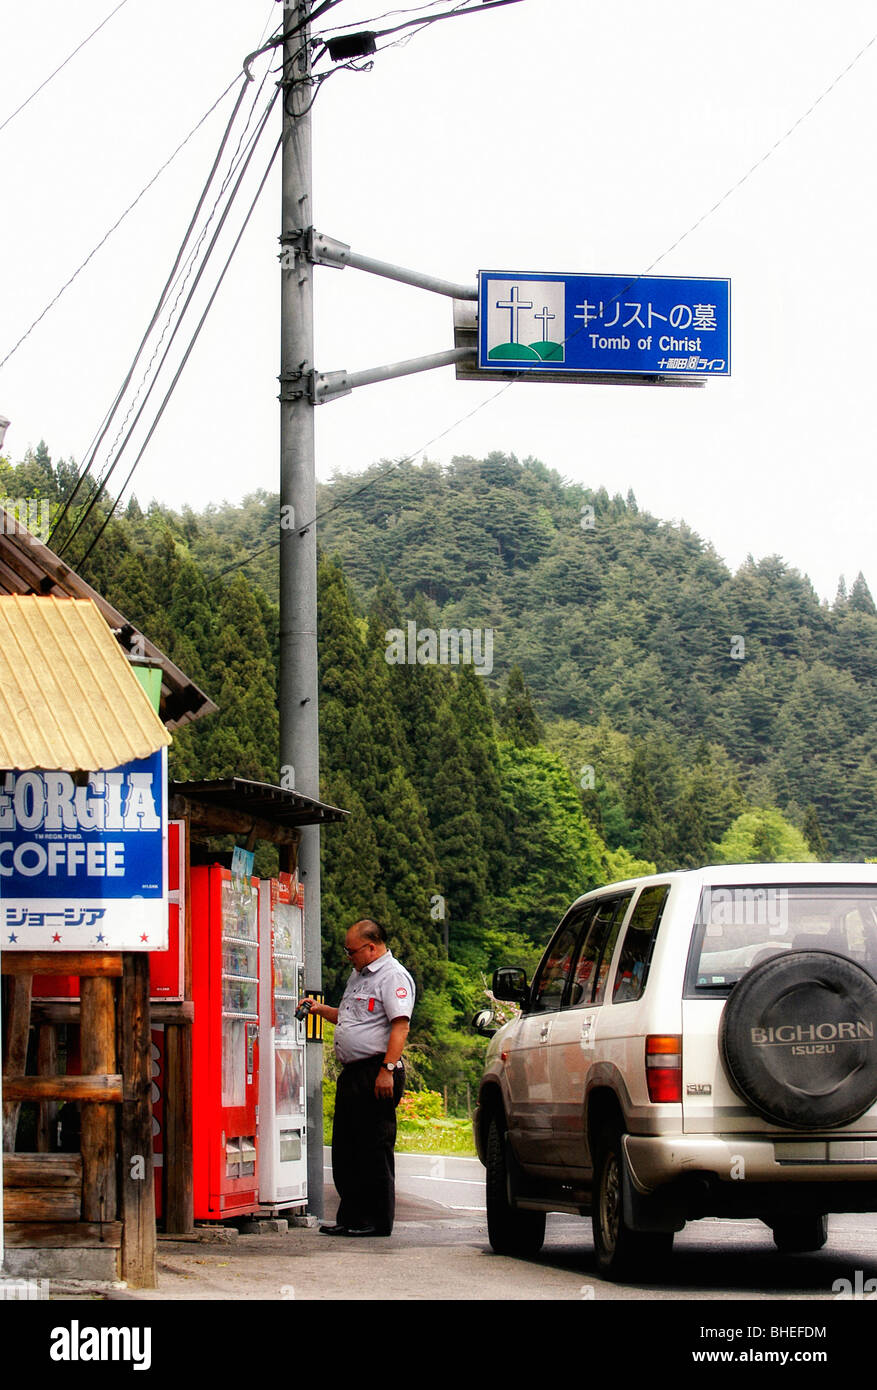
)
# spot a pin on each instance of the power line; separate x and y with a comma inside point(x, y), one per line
point(188, 351)
point(184, 272)
point(455, 13)
point(162, 297)
point(766, 156)
point(282, 36)
point(110, 470)
point(376, 19)
point(117, 223)
point(105, 477)
point(63, 65)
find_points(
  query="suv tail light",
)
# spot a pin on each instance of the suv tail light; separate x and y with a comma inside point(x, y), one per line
point(664, 1066)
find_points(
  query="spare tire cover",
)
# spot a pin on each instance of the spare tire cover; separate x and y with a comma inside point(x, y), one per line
point(798, 1038)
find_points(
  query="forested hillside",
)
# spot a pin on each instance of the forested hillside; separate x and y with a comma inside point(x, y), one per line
point(642, 705)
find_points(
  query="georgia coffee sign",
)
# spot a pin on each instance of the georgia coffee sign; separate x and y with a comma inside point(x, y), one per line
point(85, 867)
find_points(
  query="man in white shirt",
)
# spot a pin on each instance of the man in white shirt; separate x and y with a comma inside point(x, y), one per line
point(371, 1026)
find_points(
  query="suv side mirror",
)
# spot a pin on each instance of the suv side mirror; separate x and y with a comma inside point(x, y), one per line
point(483, 1023)
point(510, 984)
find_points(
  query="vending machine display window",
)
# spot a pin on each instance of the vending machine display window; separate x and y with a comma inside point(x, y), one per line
point(282, 1109)
point(225, 1042)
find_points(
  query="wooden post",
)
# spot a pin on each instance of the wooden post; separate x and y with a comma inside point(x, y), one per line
point(179, 1211)
point(47, 1065)
point(98, 1136)
point(17, 1033)
point(179, 1190)
point(136, 1184)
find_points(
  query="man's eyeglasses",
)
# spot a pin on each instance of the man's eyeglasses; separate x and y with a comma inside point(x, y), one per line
point(351, 951)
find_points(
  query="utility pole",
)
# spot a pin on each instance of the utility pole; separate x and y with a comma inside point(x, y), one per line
point(299, 727)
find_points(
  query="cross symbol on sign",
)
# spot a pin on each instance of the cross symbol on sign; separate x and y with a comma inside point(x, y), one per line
point(545, 317)
point(514, 305)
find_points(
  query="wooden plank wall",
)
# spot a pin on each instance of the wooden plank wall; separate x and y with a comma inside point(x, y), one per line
point(82, 1200)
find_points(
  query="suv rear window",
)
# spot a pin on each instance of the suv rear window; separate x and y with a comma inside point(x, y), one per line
point(738, 927)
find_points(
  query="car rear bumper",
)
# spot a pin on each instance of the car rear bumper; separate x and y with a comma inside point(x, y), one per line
point(656, 1160)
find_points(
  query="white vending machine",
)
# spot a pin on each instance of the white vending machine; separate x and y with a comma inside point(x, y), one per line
point(283, 1167)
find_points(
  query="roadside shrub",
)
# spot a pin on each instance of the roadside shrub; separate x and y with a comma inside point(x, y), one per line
point(421, 1105)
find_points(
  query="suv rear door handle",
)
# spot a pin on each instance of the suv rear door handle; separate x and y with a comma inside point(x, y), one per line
point(544, 1031)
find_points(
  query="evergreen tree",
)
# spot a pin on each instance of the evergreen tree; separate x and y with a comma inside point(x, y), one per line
point(860, 597)
point(517, 718)
point(812, 832)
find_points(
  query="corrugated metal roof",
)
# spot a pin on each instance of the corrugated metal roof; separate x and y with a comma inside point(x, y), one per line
point(27, 566)
point(69, 700)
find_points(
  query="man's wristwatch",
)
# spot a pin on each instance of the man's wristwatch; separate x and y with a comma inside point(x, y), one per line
point(391, 1066)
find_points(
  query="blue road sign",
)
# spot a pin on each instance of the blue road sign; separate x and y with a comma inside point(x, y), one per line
point(635, 325)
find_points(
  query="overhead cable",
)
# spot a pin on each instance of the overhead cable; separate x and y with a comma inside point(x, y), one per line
point(188, 351)
point(76, 50)
point(117, 223)
point(162, 297)
point(185, 271)
point(254, 140)
point(283, 36)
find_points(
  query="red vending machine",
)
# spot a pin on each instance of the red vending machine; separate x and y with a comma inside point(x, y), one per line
point(283, 1160)
point(225, 1042)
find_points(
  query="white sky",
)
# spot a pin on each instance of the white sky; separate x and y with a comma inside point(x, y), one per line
point(557, 135)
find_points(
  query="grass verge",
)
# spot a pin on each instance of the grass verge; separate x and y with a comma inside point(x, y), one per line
point(436, 1136)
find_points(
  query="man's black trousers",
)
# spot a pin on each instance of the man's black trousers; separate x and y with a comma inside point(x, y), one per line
point(363, 1139)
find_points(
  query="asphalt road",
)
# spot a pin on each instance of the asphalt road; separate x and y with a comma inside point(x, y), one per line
point(439, 1251)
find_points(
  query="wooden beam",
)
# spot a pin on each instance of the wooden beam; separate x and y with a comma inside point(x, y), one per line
point(60, 963)
point(179, 1013)
point(221, 820)
point(55, 1235)
point(179, 1209)
point(54, 1011)
point(42, 1170)
point(179, 1196)
point(98, 1132)
point(17, 1035)
point(136, 1185)
point(41, 1204)
point(88, 1088)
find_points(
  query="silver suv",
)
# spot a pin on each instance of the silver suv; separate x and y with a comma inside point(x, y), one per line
point(692, 1044)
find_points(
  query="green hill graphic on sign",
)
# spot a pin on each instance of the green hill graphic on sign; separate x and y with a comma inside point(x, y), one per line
point(535, 352)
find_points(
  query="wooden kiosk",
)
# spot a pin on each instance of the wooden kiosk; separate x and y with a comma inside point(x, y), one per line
point(89, 1212)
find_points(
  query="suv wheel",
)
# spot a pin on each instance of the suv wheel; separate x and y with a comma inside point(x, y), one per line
point(510, 1231)
point(619, 1250)
point(795, 1235)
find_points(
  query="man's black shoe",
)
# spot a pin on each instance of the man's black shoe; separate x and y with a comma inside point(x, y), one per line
point(334, 1231)
point(361, 1231)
